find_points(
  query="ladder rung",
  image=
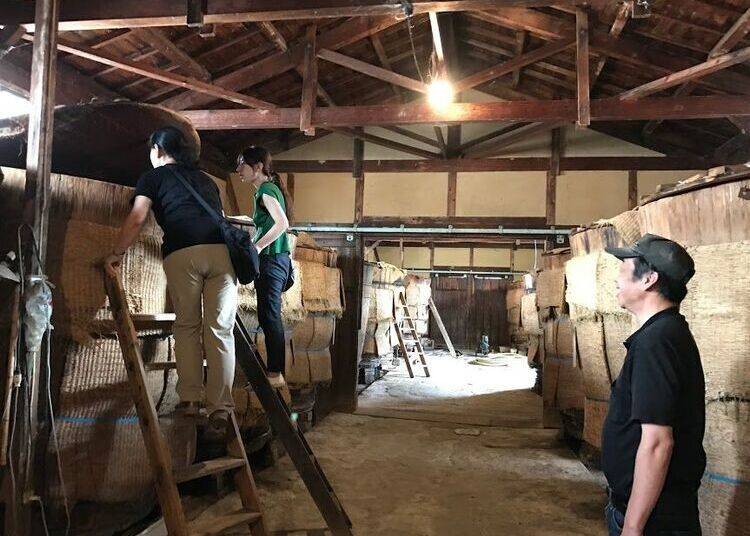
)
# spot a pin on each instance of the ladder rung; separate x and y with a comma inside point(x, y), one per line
point(208, 467)
point(162, 365)
point(213, 526)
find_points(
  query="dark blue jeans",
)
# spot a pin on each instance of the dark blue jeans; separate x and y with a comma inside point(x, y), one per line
point(274, 271)
point(662, 525)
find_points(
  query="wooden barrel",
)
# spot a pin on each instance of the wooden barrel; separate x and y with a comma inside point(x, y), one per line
point(711, 218)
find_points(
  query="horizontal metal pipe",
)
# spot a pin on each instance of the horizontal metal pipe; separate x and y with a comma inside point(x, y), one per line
point(428, 230)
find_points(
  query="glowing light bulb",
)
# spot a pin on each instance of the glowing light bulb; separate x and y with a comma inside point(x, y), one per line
point(440, 93)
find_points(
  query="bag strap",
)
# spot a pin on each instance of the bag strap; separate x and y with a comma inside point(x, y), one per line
point(215, 215)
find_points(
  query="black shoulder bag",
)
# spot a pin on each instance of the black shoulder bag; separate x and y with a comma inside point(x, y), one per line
point(242, 251)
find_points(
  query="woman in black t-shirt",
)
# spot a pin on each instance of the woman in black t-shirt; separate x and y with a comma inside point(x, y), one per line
point(200, 278)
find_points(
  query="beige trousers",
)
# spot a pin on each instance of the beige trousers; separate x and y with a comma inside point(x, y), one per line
point(203, 289)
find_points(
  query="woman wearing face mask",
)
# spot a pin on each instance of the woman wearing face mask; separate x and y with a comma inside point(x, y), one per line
point(254, 165)
point(200, 277)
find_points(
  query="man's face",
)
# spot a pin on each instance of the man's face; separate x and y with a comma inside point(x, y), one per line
point(630, 289)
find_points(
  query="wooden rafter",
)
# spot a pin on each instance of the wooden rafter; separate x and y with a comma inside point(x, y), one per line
point(623, 14)
point(385, 142)
point(78, 15)
point(523, 132)
point(255, 73)
point(690, 74)
point(506, 67)
point(380, 52)
point(372, 70)
point(586, 163)
point(156, 38)
point(611, 109)
point(163, 76)
point(412, 135)
point(727, 42)
point(489, 136)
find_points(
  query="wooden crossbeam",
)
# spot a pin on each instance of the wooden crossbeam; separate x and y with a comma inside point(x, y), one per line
point(437, 43)
point(586, 163)
point(517, 62)
point(687, 75)
point(516, 135)
point(582, 68)
point(611, 109)
point(158, 74)
point(10, 35)
point(412, 135)
point(623, 14)
point(372, 70)
point(489, 136)
point(80, 15)
point(385, 142)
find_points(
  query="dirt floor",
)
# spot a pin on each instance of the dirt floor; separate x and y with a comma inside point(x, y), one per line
point(459, 453)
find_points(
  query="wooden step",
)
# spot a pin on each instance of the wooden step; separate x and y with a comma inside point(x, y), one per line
point(206, 468)
point(214, 526)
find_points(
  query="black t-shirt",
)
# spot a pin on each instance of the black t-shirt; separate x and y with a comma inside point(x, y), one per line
point(185, 222)
point(661, 382)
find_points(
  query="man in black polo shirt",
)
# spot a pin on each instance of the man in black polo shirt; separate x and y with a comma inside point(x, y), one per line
point(652, 441)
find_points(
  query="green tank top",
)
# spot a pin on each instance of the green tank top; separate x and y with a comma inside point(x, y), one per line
point(264, 221)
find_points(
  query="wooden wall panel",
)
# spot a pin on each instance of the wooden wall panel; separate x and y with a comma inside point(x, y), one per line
point(470, 306)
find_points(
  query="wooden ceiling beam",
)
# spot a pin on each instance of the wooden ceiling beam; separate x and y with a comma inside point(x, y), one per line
point(509, 66)
point(161, 75)
point(521, 37)
point(586, 163)
point(412, 135)
point(610, 109)
point(158, 40)
point(384, 142)
point(727, 42)
point(624, 49)
point(690, 74)
point(461, 149)
point(270, 30)
point(11, 35)
point(621, 19)
point(385, 62)
point(276, 64)
point(521, 133)
point(372, 70)
point(80, 15)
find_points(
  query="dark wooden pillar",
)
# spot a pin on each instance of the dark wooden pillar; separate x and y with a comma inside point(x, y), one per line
point(552, 173)
point(632, 189)
point(22, 520)
point(358, 173)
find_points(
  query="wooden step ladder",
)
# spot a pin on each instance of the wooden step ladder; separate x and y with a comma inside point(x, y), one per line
point(408, 334)
point(165, 477)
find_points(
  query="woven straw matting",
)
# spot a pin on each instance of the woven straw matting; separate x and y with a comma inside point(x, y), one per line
point(292, 310)
point(617, 328)
point(590, 340)
point(595, 412)
point(530, 315)
point(717, 307)
point(315, 333)
point(558, 338)
point(388, 274)
point(97, 426)
point(322, 288)
point(725, 491)
point(550, 288)
point(592, 287)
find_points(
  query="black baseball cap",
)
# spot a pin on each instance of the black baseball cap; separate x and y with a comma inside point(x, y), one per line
point(665, 256)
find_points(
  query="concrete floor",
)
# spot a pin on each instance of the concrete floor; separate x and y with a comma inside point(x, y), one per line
point(460, 453)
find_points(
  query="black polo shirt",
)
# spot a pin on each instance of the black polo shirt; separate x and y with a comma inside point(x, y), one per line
point(184, 221)
point(661, 382)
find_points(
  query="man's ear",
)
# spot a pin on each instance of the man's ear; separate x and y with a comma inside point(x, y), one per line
point(650, 280)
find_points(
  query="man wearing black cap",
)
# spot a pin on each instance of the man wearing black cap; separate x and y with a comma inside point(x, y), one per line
point(652, 440)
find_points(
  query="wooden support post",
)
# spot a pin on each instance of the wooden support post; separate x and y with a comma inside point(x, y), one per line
point(552, 173)
point(632, 189)
point(452, 190)
point(432, 255)
point(309, 82)
point(290, 201)
point(36, 214)
point(582, 67)
point(401, 251)
point(471, 257)
point(358, 173)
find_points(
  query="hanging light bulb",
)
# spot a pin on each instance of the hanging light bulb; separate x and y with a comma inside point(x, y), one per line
point(440, 93)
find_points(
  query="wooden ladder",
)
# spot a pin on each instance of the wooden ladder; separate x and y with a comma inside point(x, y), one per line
point(413, 337)
point(160, 460)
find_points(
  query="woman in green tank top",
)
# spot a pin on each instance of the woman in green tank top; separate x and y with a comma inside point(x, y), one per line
point(269, 215)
